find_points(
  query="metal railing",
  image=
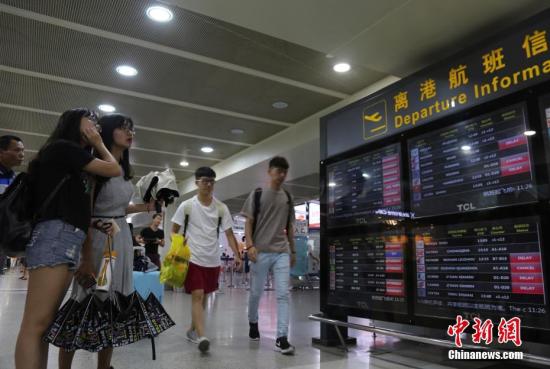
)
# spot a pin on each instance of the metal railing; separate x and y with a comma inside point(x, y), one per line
point(410, 337)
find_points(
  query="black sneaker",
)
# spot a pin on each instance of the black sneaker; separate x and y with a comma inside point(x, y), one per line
point(254, 333)
point(283, 346)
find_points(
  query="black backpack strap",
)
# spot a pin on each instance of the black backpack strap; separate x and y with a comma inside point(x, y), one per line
point(186, 211)
point(289, 217)
point(257, 197)
point(185, 224)
point(221, 211)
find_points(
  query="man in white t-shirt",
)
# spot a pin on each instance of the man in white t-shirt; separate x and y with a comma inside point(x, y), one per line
point(203, 218)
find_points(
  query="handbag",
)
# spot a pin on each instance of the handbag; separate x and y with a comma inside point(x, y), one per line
point(176, 263)
point(16, 224)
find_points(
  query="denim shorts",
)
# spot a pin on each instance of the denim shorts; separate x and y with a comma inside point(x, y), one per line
point(54, 242)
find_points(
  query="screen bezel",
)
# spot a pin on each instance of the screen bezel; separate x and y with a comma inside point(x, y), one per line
point(413, 138)
point(371, 219)
point(540, 159)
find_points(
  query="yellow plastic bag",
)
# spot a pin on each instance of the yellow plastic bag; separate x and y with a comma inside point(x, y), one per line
point(176, 262)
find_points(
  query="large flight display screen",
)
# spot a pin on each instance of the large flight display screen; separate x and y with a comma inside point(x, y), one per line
point(477, 164)
point(363, 185)
point(368, 271)
point(487, 267)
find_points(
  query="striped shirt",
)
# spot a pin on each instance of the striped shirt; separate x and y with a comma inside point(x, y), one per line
point(6, 178)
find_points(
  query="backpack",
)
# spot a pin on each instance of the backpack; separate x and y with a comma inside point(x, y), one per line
point(140, 264)
point(257, 197)
point(187, 211)
point(16, 222)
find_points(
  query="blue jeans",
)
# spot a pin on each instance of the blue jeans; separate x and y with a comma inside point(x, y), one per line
point(54, 242)
point(279, 263)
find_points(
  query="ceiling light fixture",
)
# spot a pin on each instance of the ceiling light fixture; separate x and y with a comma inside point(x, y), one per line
point(237, 131)
point(126, 70)
point(280, 105)
point(530, 133)
point(332, 184)
point(159, 14)
point(341, 67)
point(466, 147)
point(207, 149)
point(184, 163)
point(106, 108)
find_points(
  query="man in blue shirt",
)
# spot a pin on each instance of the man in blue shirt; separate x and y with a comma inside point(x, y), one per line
point(12, 153)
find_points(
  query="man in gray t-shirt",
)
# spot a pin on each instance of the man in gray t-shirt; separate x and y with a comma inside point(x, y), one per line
point(269, 230)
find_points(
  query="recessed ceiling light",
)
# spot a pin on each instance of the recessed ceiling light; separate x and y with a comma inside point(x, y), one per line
point(332, 184)
point(341, 67)
point(466, 147)
point(530, 133)
point(106, 108)
point(366, 175)
point(280, 105)
point(159, 14)
point(184, 163)
point(237, 131)
point(329, 56)
point(126, 70)
point(207, 149)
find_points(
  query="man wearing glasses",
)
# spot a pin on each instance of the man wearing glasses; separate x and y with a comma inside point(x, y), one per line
point(12, 153)
point(203, 217)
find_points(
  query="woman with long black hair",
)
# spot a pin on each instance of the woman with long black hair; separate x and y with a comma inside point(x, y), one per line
point(112, 204)
point(64, 163)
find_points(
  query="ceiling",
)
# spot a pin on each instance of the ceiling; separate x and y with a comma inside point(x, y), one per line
point(219, 65)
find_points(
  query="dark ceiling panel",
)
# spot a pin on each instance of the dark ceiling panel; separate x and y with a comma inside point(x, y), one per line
point(65, 53)
point(12, 119)
point(27, 121)
point(42, 94)
point(207, 36)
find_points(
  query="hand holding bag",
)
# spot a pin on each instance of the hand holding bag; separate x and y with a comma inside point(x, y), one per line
point(176, 262)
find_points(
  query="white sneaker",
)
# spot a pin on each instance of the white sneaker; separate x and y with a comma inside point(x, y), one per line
point(192, 336)
point(204, 344)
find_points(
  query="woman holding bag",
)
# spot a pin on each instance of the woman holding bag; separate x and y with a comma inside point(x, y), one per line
point(62, 168)
point(112, 198)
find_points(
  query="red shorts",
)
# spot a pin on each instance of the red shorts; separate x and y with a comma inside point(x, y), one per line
point(201, 278)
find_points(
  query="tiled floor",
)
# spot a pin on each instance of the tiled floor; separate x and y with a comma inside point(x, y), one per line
point(227, 327)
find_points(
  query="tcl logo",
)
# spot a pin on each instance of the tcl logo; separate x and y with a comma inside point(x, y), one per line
point(468, 206)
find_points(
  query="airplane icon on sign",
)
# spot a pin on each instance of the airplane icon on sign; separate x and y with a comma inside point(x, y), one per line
point(376, 117)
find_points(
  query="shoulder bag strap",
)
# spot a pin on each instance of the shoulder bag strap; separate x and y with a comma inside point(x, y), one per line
point(52, 195)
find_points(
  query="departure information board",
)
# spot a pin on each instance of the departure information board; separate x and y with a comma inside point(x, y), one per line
point(368, 271)
point(477, 164)
point(483, 267)
point(358, 187)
